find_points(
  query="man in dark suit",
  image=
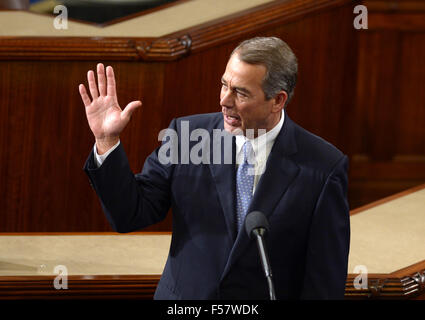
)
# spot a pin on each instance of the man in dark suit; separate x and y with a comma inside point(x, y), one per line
point(298, 180)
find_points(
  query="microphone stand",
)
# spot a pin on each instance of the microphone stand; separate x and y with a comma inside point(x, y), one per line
point(259, 233)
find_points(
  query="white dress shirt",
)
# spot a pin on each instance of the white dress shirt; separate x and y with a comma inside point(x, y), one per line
point(98, 159)
point(262, 145)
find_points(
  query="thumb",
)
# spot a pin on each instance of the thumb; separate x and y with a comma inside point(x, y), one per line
point(129, 109)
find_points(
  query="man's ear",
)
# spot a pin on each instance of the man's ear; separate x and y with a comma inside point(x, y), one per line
point(279, 101)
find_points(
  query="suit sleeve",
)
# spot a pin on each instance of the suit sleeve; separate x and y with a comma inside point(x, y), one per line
point(329, 239)
point(131, 202)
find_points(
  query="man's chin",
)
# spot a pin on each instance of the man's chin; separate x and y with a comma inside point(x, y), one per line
point(236, 131)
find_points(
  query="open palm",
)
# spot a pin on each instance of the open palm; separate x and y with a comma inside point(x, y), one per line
point(104, 115)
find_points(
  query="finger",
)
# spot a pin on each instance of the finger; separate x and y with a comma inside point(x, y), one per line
point(92, 84)
point(101, 80)
point(84, 95)
point(129, 109)
point(111, 90)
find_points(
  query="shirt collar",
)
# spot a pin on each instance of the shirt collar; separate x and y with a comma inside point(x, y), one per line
point(261, 145)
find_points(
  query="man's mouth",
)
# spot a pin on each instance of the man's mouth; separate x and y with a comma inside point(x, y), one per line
point(233, 117)
point(232, 120)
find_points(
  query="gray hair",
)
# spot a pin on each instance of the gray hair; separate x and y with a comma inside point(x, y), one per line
point(279, 60)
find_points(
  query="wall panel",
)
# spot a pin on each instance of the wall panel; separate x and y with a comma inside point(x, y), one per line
point(387, 136)
point(46, 140)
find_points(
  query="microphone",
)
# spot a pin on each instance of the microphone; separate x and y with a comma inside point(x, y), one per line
point(256, 225)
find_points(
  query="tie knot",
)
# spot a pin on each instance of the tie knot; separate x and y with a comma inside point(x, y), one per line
point(248, 152)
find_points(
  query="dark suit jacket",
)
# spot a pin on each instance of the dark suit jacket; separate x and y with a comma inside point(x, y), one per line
point(302, 192)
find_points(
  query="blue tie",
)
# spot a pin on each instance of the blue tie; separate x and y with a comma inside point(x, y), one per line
point(244, 183)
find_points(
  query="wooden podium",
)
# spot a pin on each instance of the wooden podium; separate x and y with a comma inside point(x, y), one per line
point(98, 265)
point(386, 237)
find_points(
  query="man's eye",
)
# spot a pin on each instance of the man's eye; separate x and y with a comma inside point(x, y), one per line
point(241, 94)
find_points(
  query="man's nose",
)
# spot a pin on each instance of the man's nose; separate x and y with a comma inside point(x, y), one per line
point(227, 99)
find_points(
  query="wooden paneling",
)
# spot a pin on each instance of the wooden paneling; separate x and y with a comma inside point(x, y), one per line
point(15, 4)
point(387, 131)
point(46, 139)
point(410, 139)
point(80, 287)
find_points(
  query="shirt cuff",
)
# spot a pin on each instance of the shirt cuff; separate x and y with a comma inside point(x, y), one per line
point(100, 158)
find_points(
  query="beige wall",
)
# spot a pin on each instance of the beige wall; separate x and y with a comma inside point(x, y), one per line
point(156, 24)
point(389, 237)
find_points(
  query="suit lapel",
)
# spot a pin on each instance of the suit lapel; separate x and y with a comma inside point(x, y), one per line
point(224, 176)
point(279, 174)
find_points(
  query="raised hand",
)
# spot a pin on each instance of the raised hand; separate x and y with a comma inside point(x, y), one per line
point(104, 115)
